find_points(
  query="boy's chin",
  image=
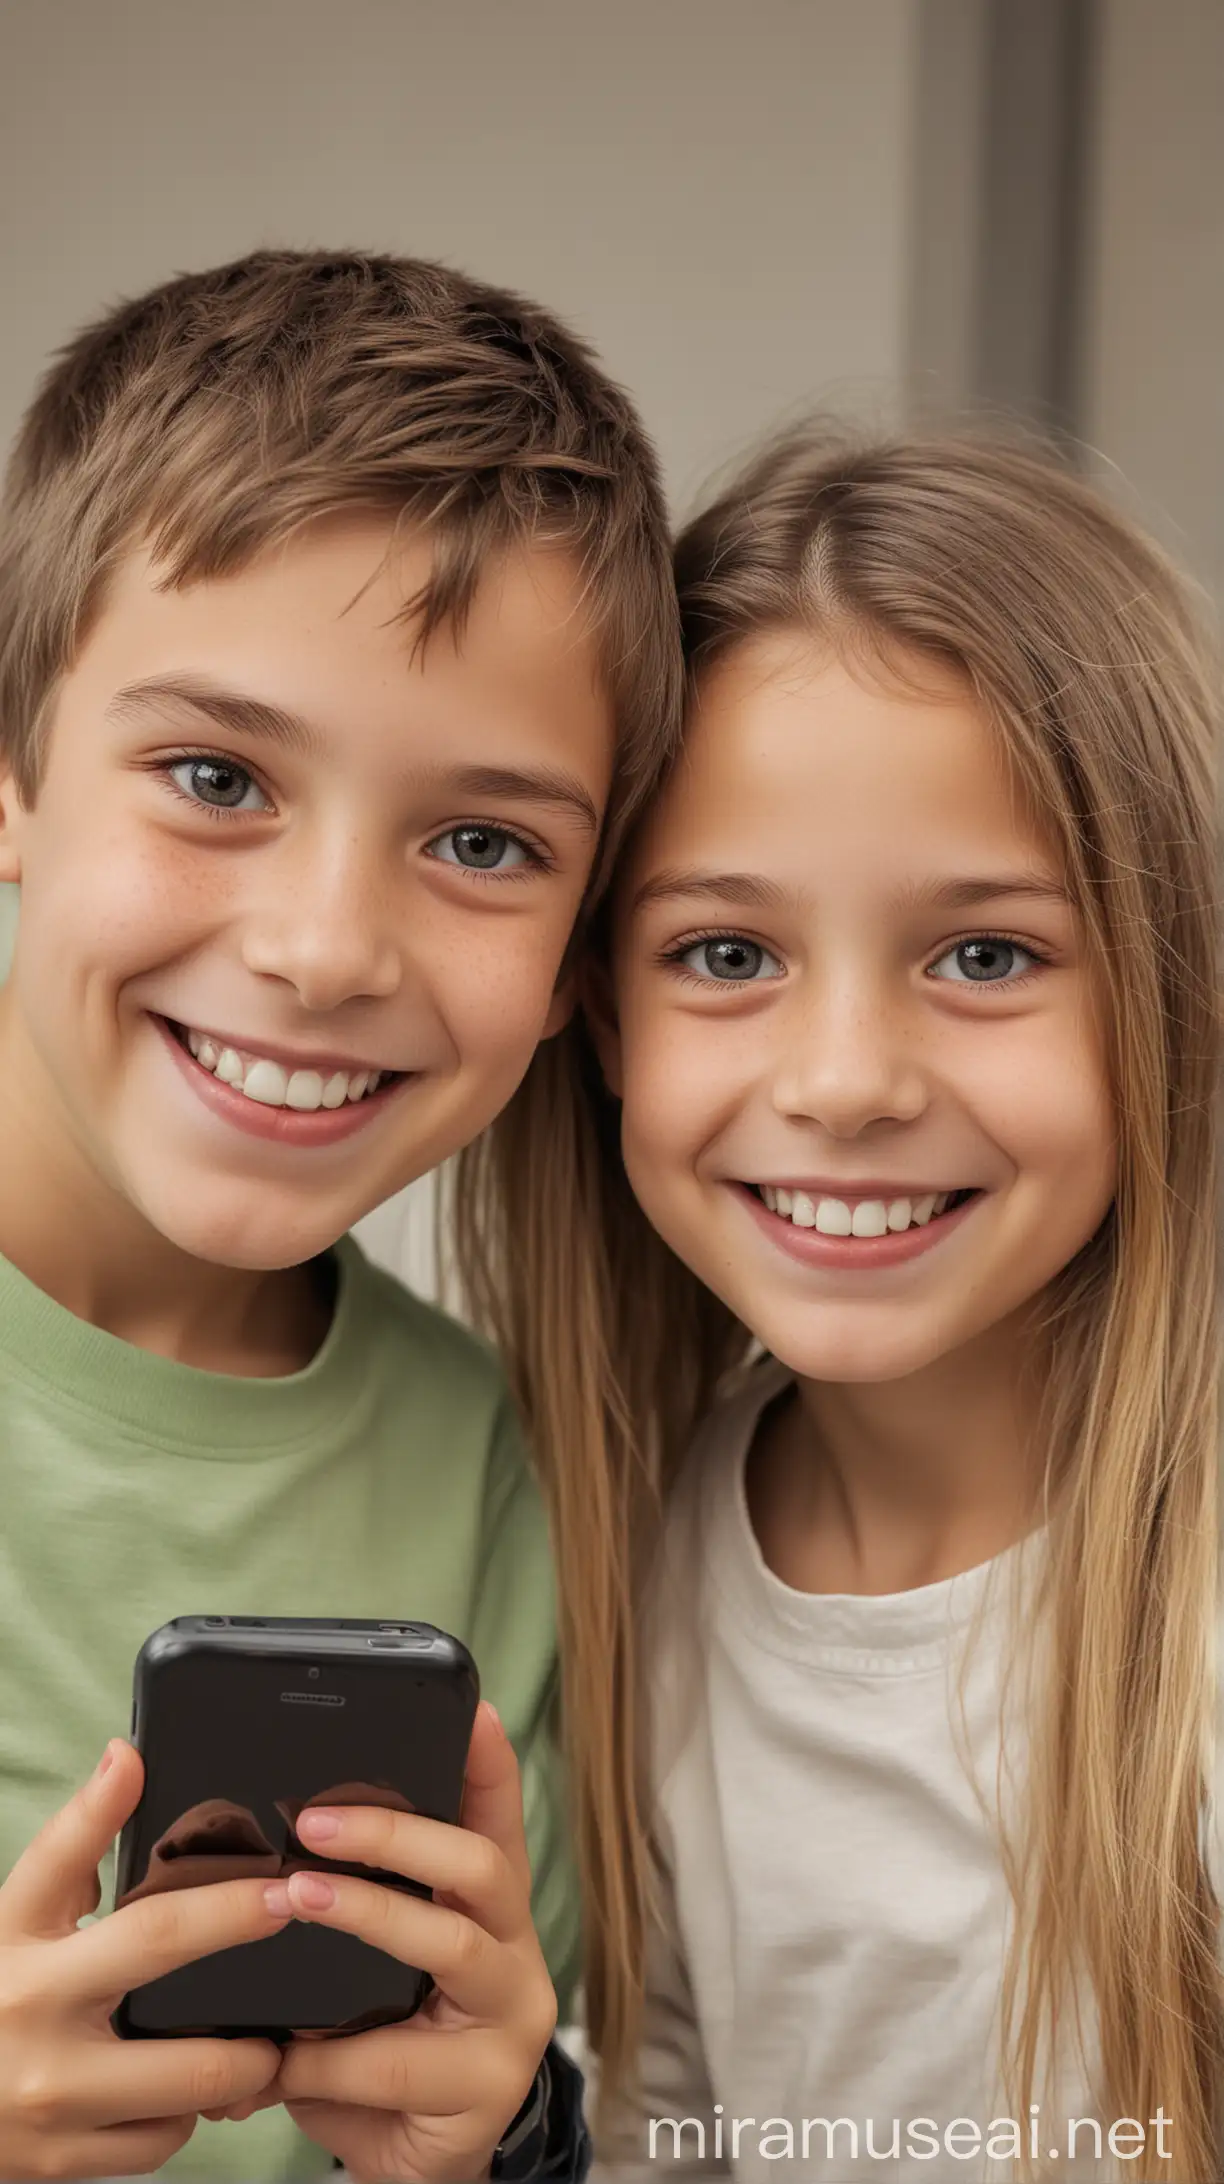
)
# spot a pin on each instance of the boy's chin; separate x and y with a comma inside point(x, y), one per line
point(243, 1231)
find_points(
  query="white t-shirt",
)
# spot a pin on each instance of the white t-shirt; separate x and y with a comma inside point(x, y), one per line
point(836, 1914)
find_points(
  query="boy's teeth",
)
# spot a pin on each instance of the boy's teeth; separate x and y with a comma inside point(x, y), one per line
point(871, 1217)
point(266, 1082)
point(304, 1090)
point(274, 1086)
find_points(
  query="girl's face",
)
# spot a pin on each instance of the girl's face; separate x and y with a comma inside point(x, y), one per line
point(863, 1073)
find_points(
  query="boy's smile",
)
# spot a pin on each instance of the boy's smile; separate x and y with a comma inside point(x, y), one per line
point(294, 897)
point(298, 1099)
point(864, 1091)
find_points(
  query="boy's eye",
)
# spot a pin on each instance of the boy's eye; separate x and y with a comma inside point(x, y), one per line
point(986, 960)
point(731, 959)
point(220, 783)
point(480, 849)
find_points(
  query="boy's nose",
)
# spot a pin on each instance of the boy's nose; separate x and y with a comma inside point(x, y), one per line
point(329, 934)
point(847, 1062)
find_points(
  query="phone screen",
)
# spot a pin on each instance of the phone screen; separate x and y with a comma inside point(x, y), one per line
point(235, 1744)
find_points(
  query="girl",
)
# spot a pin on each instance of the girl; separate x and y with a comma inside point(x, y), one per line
point(910, 1042)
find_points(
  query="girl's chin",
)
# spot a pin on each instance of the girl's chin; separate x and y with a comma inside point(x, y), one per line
point(854, 1359)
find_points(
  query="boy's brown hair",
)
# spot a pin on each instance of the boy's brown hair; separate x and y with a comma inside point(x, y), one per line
point(214, 415)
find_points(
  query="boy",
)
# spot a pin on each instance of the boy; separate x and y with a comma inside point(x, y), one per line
point(335, 615)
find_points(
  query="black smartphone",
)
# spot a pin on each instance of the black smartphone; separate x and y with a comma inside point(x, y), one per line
point(241, 1722)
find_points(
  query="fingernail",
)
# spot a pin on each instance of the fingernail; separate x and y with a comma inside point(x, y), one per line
point(493, 1715)
point(310, 1892)
point(105, 1764)
point(318, 1824)
point(278, 1901)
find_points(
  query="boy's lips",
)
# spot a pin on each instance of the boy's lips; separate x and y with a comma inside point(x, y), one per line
point(290, 1059)
point(263, 1110)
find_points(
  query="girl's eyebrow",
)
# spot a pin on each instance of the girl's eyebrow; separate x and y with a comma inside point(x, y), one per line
point(753, 892)
point(745, 888)
point(965, 894)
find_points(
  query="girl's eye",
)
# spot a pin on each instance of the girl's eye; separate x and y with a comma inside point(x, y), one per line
point(481, 849)
point(986, 960)
point(219, 783)
point(729, 958)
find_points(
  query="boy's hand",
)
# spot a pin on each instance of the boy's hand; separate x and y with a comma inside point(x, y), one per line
point(430, 2099)
point(75, 2100)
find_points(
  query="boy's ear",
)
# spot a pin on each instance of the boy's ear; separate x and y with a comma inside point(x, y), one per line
point(562, 1005)
point(599, 1007)
point(10, 859)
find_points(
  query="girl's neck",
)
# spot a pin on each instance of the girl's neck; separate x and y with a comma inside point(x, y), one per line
point(878, 1487)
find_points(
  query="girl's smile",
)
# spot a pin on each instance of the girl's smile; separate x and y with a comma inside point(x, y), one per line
point(886, 1225)
point(864, 1088)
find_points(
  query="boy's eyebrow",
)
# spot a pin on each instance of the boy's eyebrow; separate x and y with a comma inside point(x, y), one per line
point(755, 893)
point(525, 784)
point(231, 710)
point(241, 715)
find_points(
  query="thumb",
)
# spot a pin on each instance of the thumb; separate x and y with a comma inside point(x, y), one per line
point(493, 1792)
point(55, 1882)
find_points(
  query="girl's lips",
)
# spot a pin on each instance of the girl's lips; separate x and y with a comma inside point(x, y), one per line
point(280, 1125)
point(852, 1254)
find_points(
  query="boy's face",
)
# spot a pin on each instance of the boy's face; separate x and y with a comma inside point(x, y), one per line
point(274, 853)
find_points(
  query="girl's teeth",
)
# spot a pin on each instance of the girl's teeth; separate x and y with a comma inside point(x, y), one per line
point(833, 1218)
point(335, 1091)
point(358, 1084)
point(229, 1066)
point(871, 1217)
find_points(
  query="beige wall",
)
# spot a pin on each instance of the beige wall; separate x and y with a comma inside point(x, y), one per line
point(713, 189)
point(1152, 398)
point(748, 205)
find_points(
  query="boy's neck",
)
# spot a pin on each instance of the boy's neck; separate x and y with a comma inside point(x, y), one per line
point(882, 1487)
point(89, 1250)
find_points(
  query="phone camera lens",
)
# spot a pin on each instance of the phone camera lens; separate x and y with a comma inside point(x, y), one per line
point(313, 1674)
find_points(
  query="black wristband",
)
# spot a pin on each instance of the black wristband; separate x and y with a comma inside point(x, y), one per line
point(547, 2142)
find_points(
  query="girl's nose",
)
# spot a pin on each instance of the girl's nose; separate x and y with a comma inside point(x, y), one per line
point(847, 1062)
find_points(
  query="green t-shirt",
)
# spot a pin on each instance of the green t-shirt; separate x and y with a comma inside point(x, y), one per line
point(385, 1480)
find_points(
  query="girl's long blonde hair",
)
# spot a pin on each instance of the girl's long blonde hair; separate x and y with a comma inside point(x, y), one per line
point(1083, 650)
